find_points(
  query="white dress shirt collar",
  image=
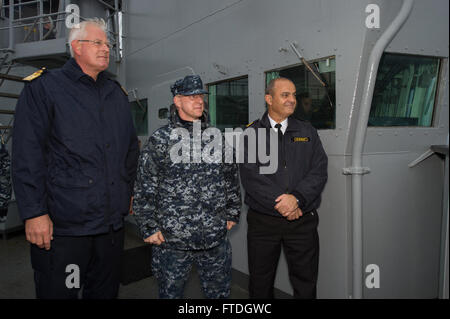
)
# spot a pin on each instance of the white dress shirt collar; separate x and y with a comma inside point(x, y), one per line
point(284, 124)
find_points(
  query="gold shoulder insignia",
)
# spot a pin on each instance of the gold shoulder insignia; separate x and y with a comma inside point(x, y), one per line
point(123, 89)
point(35, 75)
point(250, 124)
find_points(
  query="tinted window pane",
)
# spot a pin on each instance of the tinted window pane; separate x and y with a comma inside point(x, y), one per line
point(139, 113)
point(228, 103)
point(315, 103)
point(405, 91)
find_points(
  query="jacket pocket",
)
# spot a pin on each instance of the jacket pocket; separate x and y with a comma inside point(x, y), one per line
point(73, 199)
point(75, 179)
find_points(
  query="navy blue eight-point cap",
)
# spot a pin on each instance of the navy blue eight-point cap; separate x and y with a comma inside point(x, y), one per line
point(190, 85)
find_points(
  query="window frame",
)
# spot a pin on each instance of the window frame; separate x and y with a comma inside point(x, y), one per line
point(436, 108)
point(146, 115)
point(240, 77)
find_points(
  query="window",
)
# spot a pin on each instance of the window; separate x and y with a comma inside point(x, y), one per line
point(315, 103)
point(139, 113)
point(228, 103)
point(405, 91)
point(163, 113)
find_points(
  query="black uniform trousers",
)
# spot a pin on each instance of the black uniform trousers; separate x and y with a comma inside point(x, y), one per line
point(299, 238)
point(92, 261)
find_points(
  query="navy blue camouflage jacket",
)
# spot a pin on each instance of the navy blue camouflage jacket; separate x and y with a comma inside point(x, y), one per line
point(188, 202)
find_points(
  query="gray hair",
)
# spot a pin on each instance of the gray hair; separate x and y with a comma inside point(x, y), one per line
point(78, 32)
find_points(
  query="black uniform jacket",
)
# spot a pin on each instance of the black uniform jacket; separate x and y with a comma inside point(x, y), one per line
point(75, 151)
point(302, 169)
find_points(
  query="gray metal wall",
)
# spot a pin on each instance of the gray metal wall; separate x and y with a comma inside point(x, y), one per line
point(168, 39)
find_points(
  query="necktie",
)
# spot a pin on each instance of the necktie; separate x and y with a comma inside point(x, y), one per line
point(280, 143)
point(278, 127)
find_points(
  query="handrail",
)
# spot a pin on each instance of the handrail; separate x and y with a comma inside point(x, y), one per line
point(28, 24)
point(358, 143)
point(40, 16)
point(31, 29)
point(54, 18)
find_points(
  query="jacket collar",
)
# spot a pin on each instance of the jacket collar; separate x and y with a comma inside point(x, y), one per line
point(74, 71)
point(175, 119)
point(292, 125)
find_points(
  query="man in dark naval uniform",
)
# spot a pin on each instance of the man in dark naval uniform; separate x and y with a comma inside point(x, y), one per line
point(75, 155)
point(283, 206)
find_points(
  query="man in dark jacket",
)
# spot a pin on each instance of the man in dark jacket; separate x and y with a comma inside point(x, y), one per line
point(185, 204)
point(75, 154)
point(283, 206)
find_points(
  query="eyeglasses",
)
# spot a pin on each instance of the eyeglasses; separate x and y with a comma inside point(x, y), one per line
point(98, 43)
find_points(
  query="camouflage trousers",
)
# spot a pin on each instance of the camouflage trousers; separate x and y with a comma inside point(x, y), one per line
point(172, 267)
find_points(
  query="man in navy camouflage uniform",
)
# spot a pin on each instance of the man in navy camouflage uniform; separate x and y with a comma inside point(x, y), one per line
point(5, 182)
point(186, 208)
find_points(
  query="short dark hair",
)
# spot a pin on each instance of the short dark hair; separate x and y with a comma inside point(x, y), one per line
point(271, 85)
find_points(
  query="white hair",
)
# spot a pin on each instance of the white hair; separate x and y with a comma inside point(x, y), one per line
point(78, 32)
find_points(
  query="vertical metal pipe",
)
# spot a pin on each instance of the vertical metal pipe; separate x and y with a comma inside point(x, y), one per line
point(116, 29)
point(443, 265)
point(11, 30)
point(358, 143)
point(41, 25)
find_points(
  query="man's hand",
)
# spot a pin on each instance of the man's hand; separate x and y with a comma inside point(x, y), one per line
point(130, 211)
point(230, 225)
point(39, 231)
point(296, 214)
point(155, 239)
point(286, 204)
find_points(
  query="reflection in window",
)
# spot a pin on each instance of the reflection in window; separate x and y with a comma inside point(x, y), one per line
point(139, 113)
point(228, 103)
point(315, 103)
point(405, 91)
